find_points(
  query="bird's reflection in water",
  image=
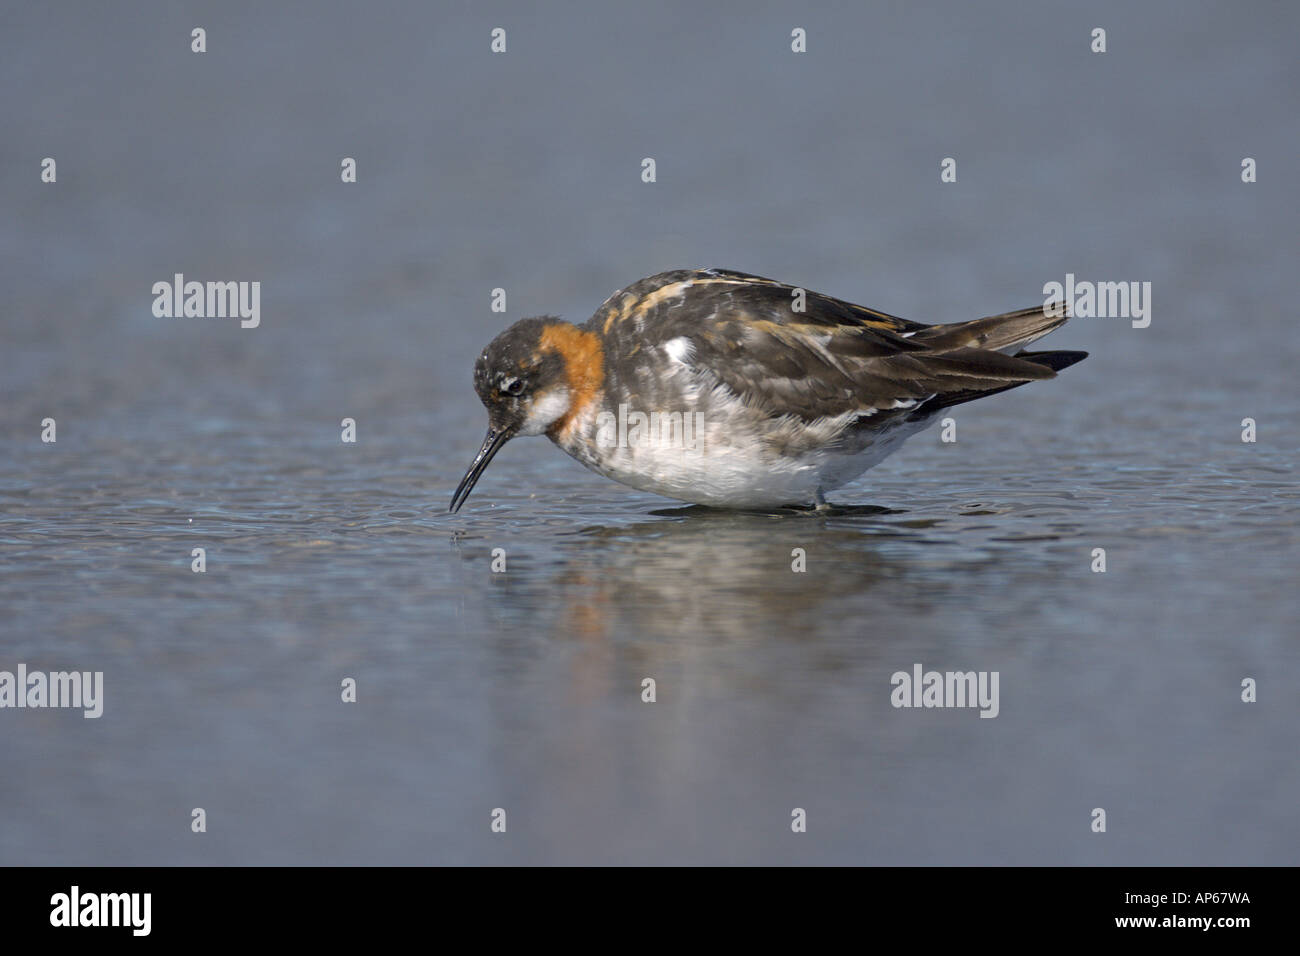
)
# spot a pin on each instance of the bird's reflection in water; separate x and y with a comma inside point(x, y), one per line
point(697, 584)
point(761, 670)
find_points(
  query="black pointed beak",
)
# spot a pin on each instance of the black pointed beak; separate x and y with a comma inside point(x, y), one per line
point(491, 445)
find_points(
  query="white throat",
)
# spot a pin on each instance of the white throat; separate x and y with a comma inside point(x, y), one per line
point(547, 409)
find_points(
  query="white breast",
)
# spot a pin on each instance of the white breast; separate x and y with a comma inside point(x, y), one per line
point(734, 457)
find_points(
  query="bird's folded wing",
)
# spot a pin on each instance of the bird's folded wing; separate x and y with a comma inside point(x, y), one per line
point(790, 351)
point(811, 372)
point(694, 295)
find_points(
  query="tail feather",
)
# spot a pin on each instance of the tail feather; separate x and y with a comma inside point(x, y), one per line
point(1051, 361)
point(999, 333)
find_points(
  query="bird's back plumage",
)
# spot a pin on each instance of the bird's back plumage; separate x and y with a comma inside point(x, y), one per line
point(830, 358)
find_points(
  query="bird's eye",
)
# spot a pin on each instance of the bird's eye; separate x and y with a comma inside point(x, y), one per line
point(514, 386)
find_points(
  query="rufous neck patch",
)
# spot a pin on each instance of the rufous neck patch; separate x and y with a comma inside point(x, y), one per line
point(584, 367)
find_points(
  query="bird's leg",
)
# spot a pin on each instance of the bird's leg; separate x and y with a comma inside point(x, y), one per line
point(819, 498)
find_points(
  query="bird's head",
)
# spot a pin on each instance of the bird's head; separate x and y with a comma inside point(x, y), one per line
point(531, 379)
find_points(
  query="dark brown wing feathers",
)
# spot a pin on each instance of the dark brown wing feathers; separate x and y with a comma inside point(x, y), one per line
point(833, 357)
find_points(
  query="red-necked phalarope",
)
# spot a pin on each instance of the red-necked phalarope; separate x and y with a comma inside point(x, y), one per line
point(735, 391)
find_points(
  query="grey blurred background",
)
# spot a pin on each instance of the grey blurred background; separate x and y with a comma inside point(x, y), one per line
point(522, 691)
